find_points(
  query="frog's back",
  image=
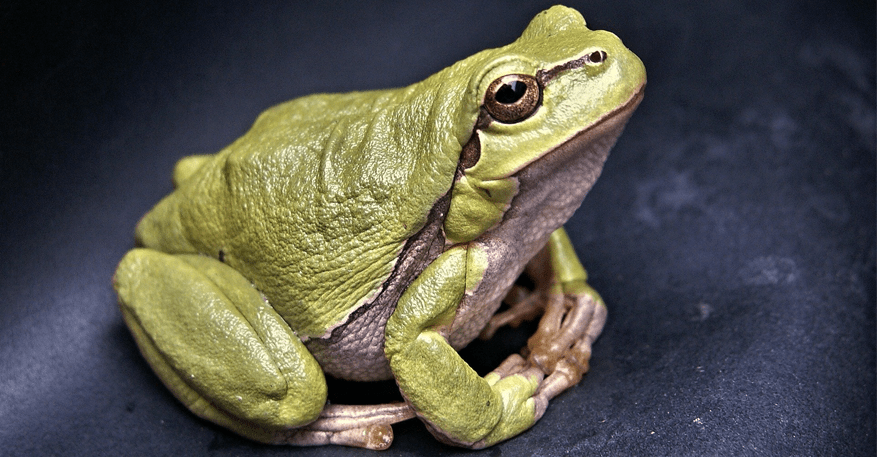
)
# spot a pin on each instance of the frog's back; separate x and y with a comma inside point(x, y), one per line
point(313, 205)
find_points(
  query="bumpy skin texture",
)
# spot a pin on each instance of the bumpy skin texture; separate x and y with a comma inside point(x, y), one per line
point(372, 234)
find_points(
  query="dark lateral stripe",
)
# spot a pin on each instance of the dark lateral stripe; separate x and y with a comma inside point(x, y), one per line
point(545, 76)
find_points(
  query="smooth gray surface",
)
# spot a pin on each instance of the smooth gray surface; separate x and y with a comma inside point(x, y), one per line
point(732, 233)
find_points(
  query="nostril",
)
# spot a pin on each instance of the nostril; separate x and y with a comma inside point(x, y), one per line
point(597, 57)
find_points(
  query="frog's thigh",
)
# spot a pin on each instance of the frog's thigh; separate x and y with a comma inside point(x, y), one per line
point(217, 345)
point(459, 405)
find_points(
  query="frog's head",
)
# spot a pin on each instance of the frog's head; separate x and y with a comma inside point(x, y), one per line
point(549, 107)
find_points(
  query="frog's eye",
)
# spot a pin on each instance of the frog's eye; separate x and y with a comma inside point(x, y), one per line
point(513, 98)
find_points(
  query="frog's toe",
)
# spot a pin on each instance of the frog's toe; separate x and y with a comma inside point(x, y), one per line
point(573, 315)
point(524, 305)
point(517, 365)
point(561, 347)
point(365, 426)
point(375, 437)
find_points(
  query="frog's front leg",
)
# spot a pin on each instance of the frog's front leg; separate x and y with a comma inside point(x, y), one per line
point(230, 358)
point(457, 405)
point(573, 315)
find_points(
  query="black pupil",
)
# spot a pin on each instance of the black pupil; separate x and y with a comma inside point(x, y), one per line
point(511, 92)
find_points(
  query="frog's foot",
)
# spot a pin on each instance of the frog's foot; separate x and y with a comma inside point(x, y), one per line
point(573, 315)
point(561, 347)
point(365, 426)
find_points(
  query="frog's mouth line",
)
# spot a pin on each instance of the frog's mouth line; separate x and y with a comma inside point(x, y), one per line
point(556, 183)
point(628, 107)
point(471, 151)
point(611, 121)
point(620, 114)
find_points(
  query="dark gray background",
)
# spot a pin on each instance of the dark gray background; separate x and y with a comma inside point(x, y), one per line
point(732, 233)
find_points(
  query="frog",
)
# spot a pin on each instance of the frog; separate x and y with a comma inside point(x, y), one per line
point(371, 235)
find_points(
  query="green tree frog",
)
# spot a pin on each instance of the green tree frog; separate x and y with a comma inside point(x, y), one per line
point(370, 235)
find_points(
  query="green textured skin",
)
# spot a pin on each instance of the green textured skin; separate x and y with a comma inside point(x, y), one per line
point(442, 387)
point(316, 201)
point(302, 220)
point(445, 391)
point(243, 360)
point(554, 37)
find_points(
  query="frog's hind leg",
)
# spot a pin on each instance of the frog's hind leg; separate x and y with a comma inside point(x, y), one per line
point(573, 315)
point(228, 356)
point(367, 426)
